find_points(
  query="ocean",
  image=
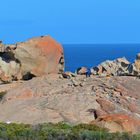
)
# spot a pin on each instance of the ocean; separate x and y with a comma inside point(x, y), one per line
point(91, 54)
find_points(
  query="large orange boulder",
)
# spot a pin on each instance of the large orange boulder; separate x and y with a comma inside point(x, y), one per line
point(36, 57)
point(40, 55)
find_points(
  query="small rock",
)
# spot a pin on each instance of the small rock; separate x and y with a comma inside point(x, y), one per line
point(81, 71)
point(75, 83)
point(68, 75)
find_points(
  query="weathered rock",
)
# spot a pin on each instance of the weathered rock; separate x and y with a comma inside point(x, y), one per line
point(36, 57)
point(9, 71)
point(137, 63)
point(115, 67)
point(103, 69)
point(134, 68)
point(47, 99)
point(97, 112)
point(106, 105)
point(138, 56)
point(51, 99)
point(2, 47)
point(133, 108)
point(118, 67)
point(81, 70)
point(118, 123)
point(68, 74)
point(39, 56)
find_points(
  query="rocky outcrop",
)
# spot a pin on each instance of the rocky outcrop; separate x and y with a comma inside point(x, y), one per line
point(68, 74)
point(111, 102)
point(118, 123)
point(35, 57)
point(81, 71)
point(115, 67)
point(137, 62)
point(135, 67)
point(118, 67)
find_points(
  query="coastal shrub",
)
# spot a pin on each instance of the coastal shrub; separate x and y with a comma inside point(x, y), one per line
point(136, 137)
point(60, 131)
point(60, 125)
point(91, 135)
point(2, 94)
point(89, 127)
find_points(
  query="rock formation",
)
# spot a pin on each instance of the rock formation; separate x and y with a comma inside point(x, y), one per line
point(109, 98)
point(137, 62)
point(118, 123)
point(68, 74)
point(81, 70)
point(35, 57)
point(112, 102)
point(118, 67)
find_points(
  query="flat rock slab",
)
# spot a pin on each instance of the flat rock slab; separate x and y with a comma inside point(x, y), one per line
point(54, 99)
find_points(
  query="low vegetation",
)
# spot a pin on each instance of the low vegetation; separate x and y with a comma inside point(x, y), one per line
point(59, 131)
point(2, 93)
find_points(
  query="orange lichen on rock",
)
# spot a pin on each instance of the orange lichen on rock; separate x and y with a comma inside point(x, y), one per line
point(40, 55)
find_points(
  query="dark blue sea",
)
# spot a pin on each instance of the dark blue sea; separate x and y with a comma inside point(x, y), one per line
point(91, 55)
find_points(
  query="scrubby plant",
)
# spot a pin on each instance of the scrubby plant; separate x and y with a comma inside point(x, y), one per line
point(89, 127)
point(2, 94)
point(60, 131)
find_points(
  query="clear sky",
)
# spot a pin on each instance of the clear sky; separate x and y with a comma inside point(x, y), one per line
point(71, 21)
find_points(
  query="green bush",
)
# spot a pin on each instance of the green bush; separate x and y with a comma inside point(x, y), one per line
point(60, 131)
point(89, 127)
point(2, 94)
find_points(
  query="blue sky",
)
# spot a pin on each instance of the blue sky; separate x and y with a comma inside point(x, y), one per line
point(71, 21)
